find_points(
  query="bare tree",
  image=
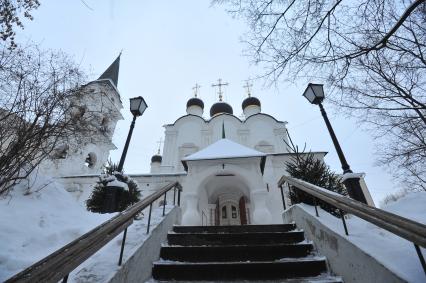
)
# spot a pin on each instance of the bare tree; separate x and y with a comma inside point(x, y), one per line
point(37, 114)
point(370, 53)
point(11, 14)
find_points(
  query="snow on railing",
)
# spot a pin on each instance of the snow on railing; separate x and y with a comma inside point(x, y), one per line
point(59, 264)
point(410, 230)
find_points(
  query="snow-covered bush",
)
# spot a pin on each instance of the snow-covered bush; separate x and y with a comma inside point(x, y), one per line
point(127, 191)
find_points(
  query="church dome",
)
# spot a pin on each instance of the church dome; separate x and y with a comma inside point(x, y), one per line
point(195, 101)
point(220, 107)
point(156, 158)
point(250, 101)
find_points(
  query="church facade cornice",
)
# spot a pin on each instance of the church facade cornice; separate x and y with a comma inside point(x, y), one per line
point(225, 114)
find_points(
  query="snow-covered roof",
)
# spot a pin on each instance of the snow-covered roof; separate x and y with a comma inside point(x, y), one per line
point(223, 149)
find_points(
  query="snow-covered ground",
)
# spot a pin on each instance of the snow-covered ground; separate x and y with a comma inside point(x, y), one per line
point(36, 223)
point(392, 251)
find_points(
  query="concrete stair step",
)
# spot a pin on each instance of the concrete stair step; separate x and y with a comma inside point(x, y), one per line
point(269, 270)
point(323, 278)
point(235, 228)
point(252, 238)
point(225, 253)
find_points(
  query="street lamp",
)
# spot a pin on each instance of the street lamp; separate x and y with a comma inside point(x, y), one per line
point(314, 93)
point(137, 107)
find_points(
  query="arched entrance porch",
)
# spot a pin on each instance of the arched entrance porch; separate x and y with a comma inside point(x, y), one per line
point(224, 200)
point(213, 184)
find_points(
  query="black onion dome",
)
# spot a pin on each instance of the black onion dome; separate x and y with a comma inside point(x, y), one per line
point(220, 107)
point(156, 158)
point(250, 101)
point(195, 102)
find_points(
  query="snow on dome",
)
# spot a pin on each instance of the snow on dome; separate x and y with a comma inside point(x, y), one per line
point(224, 148)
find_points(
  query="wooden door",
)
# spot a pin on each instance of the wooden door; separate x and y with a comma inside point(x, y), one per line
point(243, 215)
point(229, 214)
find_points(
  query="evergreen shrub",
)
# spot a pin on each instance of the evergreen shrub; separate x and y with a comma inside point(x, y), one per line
point(124, 198)
point(306, 167)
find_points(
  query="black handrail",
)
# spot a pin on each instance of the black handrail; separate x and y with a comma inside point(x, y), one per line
point(410, 230)
point(60, 263)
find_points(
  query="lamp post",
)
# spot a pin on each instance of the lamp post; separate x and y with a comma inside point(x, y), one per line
point(314, 93)
point(137, 107)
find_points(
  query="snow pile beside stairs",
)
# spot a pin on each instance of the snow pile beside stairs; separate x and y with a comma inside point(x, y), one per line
point(395, 253)
point(35, 223)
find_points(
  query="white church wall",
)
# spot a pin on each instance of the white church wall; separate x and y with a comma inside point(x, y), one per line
point(149, 184)
point(251, 110)
point(192, 133)
point(266, 129)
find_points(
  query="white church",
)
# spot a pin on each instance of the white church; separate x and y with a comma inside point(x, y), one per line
point(228, 165)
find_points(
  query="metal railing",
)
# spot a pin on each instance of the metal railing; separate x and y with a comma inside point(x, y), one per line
point(59, 264)
point(403, 227)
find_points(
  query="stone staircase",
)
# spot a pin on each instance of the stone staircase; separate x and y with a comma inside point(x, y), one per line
point(262, 253)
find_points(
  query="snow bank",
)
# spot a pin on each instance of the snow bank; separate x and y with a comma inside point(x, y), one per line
point(412, 206)
point(392, 251)
point(35, 223)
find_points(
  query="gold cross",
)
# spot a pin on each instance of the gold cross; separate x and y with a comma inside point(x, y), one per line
point(196, 88)
point(160, 142)
point(247, 86)
point(220, 84)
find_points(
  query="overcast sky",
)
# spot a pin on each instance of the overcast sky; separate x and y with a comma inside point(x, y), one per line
point(168, 46)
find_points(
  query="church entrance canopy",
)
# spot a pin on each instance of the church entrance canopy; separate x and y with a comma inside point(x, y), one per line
point(225, 149)
point(223, 184)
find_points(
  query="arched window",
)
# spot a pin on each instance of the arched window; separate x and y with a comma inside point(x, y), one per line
point(104, 128)
point(234, 211)
point(224, 212)
point(90, 160)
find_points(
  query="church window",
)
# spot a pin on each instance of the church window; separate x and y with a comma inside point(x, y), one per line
point(90, 160)
point(224, 212)
point(104, 125)
point(234, 211)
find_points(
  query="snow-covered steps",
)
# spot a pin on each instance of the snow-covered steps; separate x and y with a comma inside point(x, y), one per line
point(235, 228)
point(241, 238)
point(238, 252)
point(235, 253)
point(238, 270)
point(323, 278)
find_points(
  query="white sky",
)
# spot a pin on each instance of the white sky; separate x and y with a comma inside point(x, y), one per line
point(168, 46)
